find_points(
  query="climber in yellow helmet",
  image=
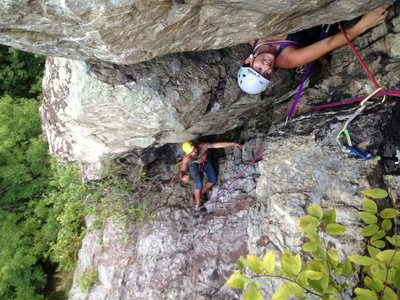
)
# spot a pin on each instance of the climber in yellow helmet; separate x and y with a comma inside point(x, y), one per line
point(297, 49)
point(197, 160)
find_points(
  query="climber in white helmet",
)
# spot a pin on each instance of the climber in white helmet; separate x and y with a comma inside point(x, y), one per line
point(295, 50)
point(197, 160)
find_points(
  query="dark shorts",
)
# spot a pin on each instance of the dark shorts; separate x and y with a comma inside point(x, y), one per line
point(196, 170)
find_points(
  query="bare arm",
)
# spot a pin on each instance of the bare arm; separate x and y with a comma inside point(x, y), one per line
point(223, 145)
point(293, 56)
point(183, 170)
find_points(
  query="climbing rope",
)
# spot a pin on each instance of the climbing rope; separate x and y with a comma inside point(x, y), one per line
point(259, 154)
point(344, 133)
point(360, 60)
point(303, 80)
point(394, 93)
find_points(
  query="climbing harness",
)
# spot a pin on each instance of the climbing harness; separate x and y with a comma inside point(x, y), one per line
point(303, 80)
point(259, 154)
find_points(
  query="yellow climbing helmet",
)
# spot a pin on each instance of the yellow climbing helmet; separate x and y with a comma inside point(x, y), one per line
point(187, 147)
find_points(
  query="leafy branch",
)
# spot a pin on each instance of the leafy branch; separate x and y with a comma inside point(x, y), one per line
point(318, 268)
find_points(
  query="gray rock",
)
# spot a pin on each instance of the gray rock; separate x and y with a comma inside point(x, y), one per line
point(128, 32)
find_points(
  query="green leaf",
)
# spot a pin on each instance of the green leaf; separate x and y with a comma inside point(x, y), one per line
point(291, 265)
point(391, 275)
point(333, 256)
point(386, 224)
point(320, 285)
point(335, 229)
point(372, 251)
point(237, 280)
point(378, 244)
point(329, 217)
point(288, 289)
point(370, 206)
point(375, 193)
point(253, 293)
point(366, 294)
point(269, 263)
point(389, 294)
point(389, 257)
point(312, 234)
point(388, 213)
point(363, 260)
point(347, 268)
point(376, 284)
point(380, 234)
point(396, 281)
point(329, 297)
point(307, 222)
point(254, 264)
point(370, 230)
point(368, 217)
point(394, 240)
point(310, 247)
point(378, 271)
point(241, 263)
point(386, 256)
point(315, 210)
point(314, 275)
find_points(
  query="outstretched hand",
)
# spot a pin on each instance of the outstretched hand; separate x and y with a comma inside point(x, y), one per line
point(185, 179)
point(238, 146)
point(374, 17)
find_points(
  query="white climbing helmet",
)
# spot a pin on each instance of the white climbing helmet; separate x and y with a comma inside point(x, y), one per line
point(250, 81)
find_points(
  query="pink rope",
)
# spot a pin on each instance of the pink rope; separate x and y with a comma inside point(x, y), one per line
point(395, 93)
point(371, 77)
point(258, 155)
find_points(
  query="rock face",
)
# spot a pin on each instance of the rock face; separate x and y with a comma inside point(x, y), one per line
point(128, 32)
point(96, 111)
point(91, 112)
point(177, 256)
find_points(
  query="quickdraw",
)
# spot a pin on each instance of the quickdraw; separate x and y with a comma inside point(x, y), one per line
point(344, 133)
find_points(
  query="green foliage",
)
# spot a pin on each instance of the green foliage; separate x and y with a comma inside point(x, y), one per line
point(20, 275)
point(322, 272)
point(110, 200)
point(20, 72)
point(24, 166)
point(88, 279)
point(43, 204)
point(63, 211)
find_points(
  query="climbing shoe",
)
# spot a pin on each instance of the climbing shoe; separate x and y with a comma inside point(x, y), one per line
point(204, 199)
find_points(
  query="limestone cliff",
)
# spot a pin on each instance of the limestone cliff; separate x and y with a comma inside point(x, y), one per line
point(181, 257)
point(128, 32)
point(98, 104)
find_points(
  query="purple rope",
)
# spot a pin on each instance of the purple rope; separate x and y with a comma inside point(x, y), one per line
point(296, 99)
point(308, 69)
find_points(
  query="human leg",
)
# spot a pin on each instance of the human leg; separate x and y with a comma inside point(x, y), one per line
point(211, 176)
point(195, 171)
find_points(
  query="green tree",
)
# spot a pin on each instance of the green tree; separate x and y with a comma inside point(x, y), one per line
point(24, 167)
point(20, 72)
